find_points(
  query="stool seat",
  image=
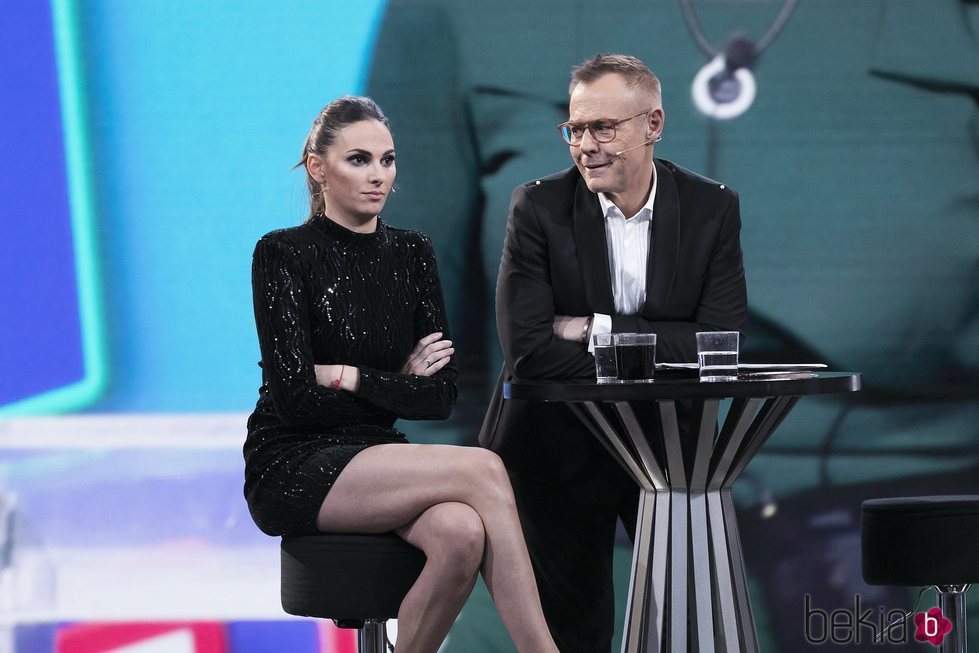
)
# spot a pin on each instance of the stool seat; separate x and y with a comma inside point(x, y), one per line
point(920, 540)
point(349, 578)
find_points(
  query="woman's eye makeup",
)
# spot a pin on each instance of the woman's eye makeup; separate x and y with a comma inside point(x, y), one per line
point(362, 158)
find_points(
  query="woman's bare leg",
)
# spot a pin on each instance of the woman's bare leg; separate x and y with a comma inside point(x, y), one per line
point(386, 486)
point(452, 537)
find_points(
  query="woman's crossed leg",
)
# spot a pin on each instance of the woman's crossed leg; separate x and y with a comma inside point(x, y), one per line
point(456, 505)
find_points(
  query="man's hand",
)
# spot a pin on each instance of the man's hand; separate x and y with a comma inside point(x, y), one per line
point(572, 328)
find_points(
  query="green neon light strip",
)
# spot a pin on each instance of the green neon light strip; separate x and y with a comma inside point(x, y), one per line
point(83, 393)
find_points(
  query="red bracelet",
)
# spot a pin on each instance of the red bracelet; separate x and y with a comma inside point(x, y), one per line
point(335, 384)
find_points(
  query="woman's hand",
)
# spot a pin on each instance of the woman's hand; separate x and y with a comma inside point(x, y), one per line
point(429, 356)
point(338, 377)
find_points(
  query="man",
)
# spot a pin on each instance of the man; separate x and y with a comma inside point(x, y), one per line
point(860, 244)
point(620, 242)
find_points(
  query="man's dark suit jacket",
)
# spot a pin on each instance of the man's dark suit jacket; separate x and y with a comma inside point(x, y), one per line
point(555, 262)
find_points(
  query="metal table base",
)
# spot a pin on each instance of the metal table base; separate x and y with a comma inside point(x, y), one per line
point(689, 589)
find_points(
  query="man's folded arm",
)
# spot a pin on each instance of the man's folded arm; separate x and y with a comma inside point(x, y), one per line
point(525, 303)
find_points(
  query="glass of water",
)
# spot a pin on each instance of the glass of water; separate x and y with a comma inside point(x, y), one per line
point(717, 354)
point(605, 368)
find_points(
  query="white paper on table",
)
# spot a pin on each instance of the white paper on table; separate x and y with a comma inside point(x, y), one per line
point(749, 366)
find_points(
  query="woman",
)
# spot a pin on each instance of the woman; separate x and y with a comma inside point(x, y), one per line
point(353, 335)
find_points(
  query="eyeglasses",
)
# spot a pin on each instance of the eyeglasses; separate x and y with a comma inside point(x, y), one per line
point(602, 130)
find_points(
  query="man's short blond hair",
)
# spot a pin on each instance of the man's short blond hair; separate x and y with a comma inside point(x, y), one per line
point(636, 73)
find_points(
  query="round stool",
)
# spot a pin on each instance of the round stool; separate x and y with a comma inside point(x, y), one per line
point(925, 541)
point(358, 581)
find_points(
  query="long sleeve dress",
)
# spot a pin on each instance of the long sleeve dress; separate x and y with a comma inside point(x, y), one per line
point(327, 295)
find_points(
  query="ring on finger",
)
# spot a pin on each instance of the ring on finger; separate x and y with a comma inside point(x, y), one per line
point(428, 361)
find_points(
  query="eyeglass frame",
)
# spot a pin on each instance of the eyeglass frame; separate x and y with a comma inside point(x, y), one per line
point(612, 122)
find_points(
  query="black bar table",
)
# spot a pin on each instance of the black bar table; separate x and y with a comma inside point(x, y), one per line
point(688, 587)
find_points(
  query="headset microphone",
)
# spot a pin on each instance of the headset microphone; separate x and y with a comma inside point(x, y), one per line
point(629, 149)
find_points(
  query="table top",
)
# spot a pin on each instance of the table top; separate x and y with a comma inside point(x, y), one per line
point(685, 385)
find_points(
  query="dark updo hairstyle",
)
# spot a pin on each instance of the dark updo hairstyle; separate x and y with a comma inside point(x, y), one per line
point(335, 116)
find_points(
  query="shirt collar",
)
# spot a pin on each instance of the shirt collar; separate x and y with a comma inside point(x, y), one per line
point(643, 213)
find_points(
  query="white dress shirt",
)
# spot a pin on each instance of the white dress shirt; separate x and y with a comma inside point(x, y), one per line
point(628, 253)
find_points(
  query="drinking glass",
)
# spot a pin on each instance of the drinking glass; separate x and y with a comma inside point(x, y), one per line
point(635, 357)
point(605, 368)
point(717, 354)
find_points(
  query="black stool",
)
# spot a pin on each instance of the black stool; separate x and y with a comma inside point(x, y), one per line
point(358, 581)
point(925, 541)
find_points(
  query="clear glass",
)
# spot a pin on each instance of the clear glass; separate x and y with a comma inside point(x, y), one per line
point(635, 357)
point(606, 370)
point(717, 355)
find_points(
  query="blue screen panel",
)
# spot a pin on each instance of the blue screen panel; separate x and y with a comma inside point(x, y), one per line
point(49, 357)
point(273, 636)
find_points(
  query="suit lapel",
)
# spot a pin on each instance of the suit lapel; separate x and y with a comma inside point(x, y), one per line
point(589, 232)
point(664, 254)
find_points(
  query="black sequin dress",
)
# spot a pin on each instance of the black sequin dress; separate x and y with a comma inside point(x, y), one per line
point(327, 295)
